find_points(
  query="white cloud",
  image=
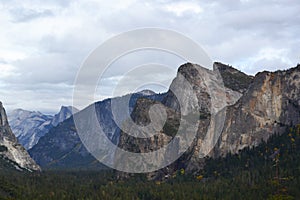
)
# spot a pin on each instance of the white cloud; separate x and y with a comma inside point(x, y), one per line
point(269, 59)
point(7, 70)
point(180, 8)
point(44, 42)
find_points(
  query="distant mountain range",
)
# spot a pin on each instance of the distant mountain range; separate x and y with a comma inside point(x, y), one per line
point(30, 126)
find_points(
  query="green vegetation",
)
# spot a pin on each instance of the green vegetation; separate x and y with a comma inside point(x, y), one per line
point(193, 116)
point(170, 128)
point(234, 79)
point(3, 148)
point(268, 171)
point(172, 125)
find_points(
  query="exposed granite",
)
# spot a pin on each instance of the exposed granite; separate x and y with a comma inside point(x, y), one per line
point(12, 150)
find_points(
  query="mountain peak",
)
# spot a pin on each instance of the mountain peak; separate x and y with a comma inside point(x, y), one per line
point(63, 108)
point(64, 113)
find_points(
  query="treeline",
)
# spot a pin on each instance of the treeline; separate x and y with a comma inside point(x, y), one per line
point(268, 171)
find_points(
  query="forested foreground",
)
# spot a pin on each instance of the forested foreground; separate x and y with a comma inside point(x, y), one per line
point(269, 171)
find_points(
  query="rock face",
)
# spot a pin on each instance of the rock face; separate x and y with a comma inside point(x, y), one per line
point(30, 126)
point(257, 107)
point(270, 105)
point(194, 89)
point(11, 150)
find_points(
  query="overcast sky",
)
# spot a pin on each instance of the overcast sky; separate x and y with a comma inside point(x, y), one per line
point(43, 42)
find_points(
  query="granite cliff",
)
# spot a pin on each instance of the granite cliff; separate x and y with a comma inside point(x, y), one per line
point(10, 149)
point(252, 108)
point(270, 105)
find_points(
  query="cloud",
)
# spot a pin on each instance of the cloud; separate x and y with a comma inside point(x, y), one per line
point(181, 8)
point(39, 98)
point(43, 43)
point(25, 15)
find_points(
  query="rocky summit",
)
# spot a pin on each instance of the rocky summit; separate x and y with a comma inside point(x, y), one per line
point(10, 150)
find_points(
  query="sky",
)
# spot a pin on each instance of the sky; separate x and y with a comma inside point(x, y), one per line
point(44, 42)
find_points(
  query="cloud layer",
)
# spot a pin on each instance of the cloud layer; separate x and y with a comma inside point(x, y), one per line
point(43, 43)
